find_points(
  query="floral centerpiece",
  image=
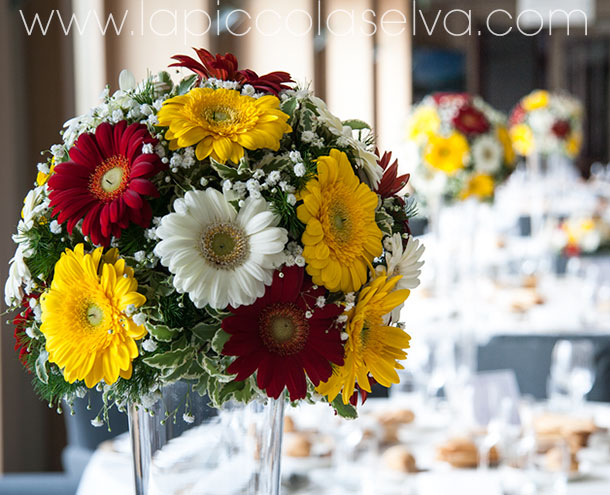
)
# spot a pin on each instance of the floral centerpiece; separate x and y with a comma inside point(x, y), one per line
point(580, 235)
point(547, 123)
point(462, 145)
point(225, 229)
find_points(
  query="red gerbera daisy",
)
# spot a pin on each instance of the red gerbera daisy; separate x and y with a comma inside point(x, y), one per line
point(224, 67)
point(469, 120)
point(275, 337)
point(105, 180)
point(20, 321)
point(391, 183)
point(561, 128)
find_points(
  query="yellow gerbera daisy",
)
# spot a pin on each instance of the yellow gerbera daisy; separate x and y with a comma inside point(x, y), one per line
point(536, 99)
point(423, 122)
point(371, 347)
point(480, 186)
point(507, 145)
point(87, 331)
point(448, 154)
point(341, 237)
point(522, 138)
point(222, 122)
point(573, 144)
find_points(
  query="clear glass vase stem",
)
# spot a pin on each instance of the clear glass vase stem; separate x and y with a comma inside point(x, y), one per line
point(141, 447)
point(271, 448)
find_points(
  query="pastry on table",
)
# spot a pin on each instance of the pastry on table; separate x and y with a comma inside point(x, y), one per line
point(398, 458)
point(551, 427)
point(396, 417)
point(461, 452)
point(289, 425)
point(389, 434)
point(297, 445)
point(554, 460)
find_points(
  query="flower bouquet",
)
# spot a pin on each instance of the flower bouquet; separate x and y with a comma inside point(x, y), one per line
point(580, 235)
point(226, 230)
point(462, 145)
point(547, 123)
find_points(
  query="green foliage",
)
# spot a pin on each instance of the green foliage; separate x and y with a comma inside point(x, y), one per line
point(178, 311)
point(162, 333)
point(179, 353)
point(55, 388)
point(47, 248)
point(287, 214)
point(384, 221)
point(147, 96)
point(410, 209)
point(205, 332)
point(356, 124)
point(131, 240)
point(186, 84)
point(344, 410)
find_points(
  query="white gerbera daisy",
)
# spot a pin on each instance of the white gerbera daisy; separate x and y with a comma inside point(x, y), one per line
point(487, 154)
point(405, 262)
point(218, 256)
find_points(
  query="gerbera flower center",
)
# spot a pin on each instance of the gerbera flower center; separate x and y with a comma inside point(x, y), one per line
point(340, 222)
point(94, 314)
point(444, 152)
point(469, 120)
point(225, 112)
point(224, 245)
point(110, 178)
point(219, 115)
point(283, 328)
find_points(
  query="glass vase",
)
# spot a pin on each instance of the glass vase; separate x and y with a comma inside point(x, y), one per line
point(181, 445)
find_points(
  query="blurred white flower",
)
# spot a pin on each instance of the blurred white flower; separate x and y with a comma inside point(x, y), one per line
point(487, 155)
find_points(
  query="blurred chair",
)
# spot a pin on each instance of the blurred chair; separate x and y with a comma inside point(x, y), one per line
point(530, 357)
point(82, 438)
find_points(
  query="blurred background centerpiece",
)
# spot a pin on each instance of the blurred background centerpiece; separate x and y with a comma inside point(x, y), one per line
point(523, 280)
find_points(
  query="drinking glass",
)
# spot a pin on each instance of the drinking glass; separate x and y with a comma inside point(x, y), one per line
point(572, 371)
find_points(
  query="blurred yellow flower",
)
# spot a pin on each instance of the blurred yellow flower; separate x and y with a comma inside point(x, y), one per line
point(423, 123)
point(522, 138)
point(480, 186)
point(507, 145)
point(448, 154)
point(573, 144)
point(536, 99)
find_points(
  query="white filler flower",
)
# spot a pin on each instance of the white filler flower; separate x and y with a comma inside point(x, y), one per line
point(218, 256)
